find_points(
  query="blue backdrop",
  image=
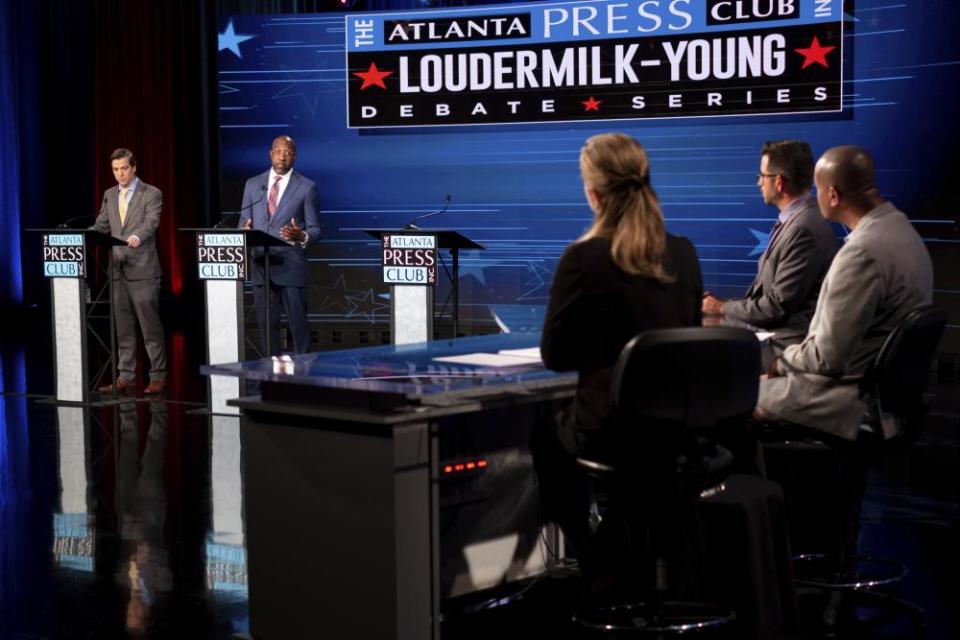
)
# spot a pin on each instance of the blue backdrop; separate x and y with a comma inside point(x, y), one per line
point(11, 85)
point(516, 188)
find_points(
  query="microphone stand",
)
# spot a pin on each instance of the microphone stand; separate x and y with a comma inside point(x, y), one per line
point(263, 191)
point(411, 226)
point(455, 266)
point(266, 277)
point(66, 223)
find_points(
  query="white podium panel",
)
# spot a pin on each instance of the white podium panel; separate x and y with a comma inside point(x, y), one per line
point(411, 314)
point(224, 313)
point(69, 328)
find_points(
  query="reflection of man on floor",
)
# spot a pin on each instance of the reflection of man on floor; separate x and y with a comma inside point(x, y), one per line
point(881, 274)
point(142, 512)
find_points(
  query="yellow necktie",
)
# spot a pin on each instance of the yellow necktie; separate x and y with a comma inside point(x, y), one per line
point(123, 206)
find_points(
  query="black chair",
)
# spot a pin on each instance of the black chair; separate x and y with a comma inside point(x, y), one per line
point(674, 390)
point(895, 387)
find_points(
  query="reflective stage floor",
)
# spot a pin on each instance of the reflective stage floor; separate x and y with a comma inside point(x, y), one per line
point(127, 520)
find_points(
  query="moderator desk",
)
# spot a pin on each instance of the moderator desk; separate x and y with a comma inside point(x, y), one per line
point(378, 482)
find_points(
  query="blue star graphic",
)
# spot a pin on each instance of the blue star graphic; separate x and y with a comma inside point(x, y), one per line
point(230, 40)
point(763, 239)
point(476, 271)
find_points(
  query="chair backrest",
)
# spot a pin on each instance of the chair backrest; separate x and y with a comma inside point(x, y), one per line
point(899, 374)
point(694, 377)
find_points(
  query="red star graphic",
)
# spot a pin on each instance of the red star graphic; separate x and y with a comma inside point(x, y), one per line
point(372, 77)
point(591, 105)
point(815, 53)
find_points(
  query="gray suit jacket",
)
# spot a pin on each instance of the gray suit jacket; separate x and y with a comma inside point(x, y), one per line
point(881, 274)
point(784, 293)
point(143, 218)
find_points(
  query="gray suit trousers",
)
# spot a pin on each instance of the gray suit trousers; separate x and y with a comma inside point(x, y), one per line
point(138, 302)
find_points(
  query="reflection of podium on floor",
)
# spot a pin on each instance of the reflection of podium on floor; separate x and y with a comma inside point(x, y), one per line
point(65, 263)
point(73, 531)
point(410, 267)
point(222, 265)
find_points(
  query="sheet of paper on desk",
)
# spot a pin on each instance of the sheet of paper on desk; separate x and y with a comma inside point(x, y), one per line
point(530, 353)
point(763, 336)
point(486, 360)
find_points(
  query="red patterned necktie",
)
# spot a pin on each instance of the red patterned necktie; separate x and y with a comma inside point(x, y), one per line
point(274, 196)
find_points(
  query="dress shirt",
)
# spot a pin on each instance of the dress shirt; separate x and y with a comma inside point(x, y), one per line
point(130, 189)
point(284, 181)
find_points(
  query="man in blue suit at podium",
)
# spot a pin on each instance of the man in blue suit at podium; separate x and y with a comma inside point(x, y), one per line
point(284, 204)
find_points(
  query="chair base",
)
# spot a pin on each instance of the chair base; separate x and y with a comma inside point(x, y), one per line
point(860, 599)
point(867, 572)
point(654, 619)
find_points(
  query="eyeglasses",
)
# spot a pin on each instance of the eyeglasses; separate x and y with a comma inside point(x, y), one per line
point(761, 176)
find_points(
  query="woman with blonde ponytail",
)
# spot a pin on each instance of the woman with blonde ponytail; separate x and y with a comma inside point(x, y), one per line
point(625, 275)
point(616, 181)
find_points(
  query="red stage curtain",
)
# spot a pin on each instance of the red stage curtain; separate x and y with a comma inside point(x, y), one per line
point(151, 94)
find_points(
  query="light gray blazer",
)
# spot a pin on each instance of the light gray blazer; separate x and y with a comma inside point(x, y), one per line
point(784, 294)
point(881, 274)
point(142, 220)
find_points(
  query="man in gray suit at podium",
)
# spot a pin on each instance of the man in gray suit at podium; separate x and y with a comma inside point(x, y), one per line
point(284, 204)
point(131, 212)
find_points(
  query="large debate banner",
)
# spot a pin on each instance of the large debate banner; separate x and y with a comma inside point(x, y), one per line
point(594, 60)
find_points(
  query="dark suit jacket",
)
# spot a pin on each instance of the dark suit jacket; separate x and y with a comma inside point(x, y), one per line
point(143, 218)
point(595, 309)
point(288, 265)
point(784, 293)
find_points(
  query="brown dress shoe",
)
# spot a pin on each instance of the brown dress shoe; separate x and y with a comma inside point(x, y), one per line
point(155, 386)
point(122, 385)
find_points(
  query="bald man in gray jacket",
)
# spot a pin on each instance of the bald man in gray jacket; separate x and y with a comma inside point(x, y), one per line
point(881, 274)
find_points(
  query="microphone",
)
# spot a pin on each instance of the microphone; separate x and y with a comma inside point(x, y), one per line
point(66, 223)
point(412, 224)
point(238, 213)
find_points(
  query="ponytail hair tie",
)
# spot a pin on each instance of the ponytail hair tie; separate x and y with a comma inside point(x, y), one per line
point(632, 183)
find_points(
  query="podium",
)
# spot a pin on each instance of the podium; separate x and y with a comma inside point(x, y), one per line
point(65, 263)
point(411, 303)
point(223, 264)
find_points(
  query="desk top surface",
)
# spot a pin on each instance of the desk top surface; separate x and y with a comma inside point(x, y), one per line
point(410, 370)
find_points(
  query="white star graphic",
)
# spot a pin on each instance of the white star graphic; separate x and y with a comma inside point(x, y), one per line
point(230, 40)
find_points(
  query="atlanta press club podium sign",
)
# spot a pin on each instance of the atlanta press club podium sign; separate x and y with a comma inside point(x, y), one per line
point(221, 255)
point(409, 259)
point(410, 268)
point(64, 255)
